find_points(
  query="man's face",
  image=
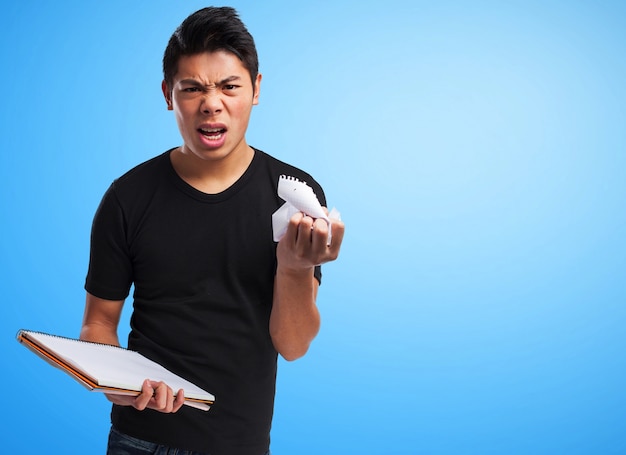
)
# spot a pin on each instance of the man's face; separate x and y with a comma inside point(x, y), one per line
point(212, 97)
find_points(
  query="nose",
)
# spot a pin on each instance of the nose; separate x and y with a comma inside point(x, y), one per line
point(211, 103)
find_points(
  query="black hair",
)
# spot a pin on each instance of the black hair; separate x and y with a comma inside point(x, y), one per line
point(209, 30)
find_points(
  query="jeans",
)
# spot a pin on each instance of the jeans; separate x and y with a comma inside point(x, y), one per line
point(122, 444)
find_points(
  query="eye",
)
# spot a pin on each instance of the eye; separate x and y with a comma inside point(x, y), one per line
point(190, 89)
point(230, 87)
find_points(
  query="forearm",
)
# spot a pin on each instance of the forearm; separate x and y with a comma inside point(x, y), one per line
point(295, 319)
point(100, 320)
point(99, 334)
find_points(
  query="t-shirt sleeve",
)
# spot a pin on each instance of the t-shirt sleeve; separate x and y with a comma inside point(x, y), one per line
point(109, 275)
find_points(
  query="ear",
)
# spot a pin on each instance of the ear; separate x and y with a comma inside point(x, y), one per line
point(167, 93)
point(257, 89)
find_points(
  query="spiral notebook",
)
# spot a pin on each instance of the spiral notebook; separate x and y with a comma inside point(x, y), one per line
point(107, 368)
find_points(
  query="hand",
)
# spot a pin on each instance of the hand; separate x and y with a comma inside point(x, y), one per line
point(305, 244)
point(155, 395)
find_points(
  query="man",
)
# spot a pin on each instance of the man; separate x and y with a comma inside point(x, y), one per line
point(215, 298)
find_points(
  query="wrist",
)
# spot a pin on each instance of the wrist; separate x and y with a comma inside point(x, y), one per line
point(295, 272)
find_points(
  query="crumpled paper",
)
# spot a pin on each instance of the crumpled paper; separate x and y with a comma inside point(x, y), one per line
point(299, 197)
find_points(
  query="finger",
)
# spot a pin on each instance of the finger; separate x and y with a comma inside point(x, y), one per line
point(163, 397)
point(169, 406)
point(319, 236)
point(142, 400)
point(304, 230)
point(338, 229)
point(291, 234)
point(324, 251)
point(179, 401)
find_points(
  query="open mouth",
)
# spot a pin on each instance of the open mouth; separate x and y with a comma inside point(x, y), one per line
point(212, 133)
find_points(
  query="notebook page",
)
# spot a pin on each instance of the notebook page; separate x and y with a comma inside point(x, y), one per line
point(113, 366)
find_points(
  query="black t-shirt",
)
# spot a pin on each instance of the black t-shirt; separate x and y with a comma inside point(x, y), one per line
point(203, 270)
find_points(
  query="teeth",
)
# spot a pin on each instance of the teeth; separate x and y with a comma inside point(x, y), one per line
point(212, 133)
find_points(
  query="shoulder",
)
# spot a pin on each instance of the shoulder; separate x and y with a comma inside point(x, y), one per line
point(146, 170)
point(276, 165)
point(140, 182)
point(143, 177)
point(275, 168)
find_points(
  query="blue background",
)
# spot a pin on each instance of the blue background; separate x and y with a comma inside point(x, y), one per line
point(477, 152)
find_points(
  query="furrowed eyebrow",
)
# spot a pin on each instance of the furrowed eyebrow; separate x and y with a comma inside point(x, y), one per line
point(189, 82)
point(197, 83)
point(230, 79)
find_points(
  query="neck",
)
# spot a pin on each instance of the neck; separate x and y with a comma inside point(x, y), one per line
point(211, 176)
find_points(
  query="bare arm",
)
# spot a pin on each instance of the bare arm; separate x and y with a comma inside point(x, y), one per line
point(295, 319)
point(100, 322)
point(101, 319)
